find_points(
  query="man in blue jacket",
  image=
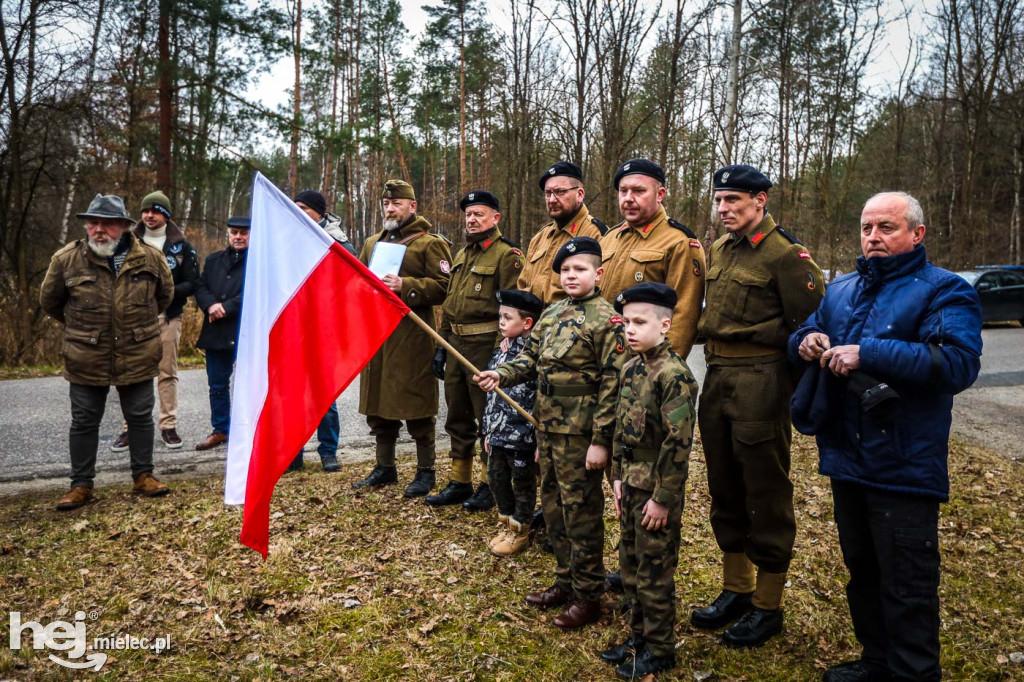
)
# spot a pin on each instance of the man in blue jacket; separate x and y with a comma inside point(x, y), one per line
point(917, 328)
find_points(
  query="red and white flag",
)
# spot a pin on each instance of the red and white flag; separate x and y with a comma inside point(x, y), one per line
point(312, 317)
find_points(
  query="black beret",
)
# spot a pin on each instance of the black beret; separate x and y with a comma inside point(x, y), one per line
point(566, 168)
point(647, 292)
point(240, 222)
point(742, 178)
point(639, 167)
point(575, 247)
point(520, 300)
point(479, 196)
point(313, 199)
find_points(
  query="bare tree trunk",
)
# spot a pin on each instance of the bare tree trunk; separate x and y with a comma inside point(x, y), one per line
point(733, 88)
point(163, 157)
point(463, 180)
point(293, 168)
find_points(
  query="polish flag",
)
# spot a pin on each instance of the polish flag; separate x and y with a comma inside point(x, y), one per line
point(312, 317)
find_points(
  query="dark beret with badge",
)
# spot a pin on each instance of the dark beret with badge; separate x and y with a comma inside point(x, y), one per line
point(523, 301)
point(639, 167)
point(565, 168)
point(479, 197)
point(742, 178)
point(655, 293)
point(398, 189)
point(575, 247)
point(240, 222)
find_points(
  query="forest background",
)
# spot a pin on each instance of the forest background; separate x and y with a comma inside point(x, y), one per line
point(126, 96)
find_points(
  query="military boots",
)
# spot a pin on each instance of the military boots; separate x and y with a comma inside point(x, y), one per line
point(422, 484)
point(482, 499)
point(381, 475)
point(454, 493)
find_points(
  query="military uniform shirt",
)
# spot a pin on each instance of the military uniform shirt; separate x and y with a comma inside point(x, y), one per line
point(760, 288)
point(537, 277)
point(658, 252)
point(478, 271)
point(577, 344)
point(655, 414)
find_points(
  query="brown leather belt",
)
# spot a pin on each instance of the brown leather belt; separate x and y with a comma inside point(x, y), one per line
point(739, 349)
point(474, 329)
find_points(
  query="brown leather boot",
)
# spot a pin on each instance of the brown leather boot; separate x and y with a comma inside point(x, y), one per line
point(579, 613)
point(77, 497)
point(553, 596)
point(212, 441)
point(146, 484)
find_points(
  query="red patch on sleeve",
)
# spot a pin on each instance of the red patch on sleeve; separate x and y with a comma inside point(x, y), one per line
point(517, 251)
point(615, 320)
point(804, 254)
point(694, 244)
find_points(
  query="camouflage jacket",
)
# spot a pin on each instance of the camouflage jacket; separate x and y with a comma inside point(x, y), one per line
point(654, 424)
point(575, 353)
point(503, 426)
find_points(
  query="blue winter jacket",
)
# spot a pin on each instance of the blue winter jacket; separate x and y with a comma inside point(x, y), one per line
point(919, 330)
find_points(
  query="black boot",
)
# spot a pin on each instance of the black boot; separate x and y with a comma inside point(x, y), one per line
point(547, 547)
point(613, 582)
point(620, 653)
point(422, 484)
point(755, 628)
point(855, 671)
point(297, 464)
point(537, 522)
point(330, 464)
point(454, 493)
point(482, 499)
point(727, 607)
point(381, 475)
point(646, 664)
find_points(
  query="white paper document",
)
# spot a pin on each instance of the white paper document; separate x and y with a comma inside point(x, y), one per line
point(386, 259)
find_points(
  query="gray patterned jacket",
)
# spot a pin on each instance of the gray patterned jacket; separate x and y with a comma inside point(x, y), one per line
point(503, 426)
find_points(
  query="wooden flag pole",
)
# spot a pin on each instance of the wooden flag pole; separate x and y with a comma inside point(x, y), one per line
point(468, 365)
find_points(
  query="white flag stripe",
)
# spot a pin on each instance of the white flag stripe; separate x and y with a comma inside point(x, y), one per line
point(284, 247)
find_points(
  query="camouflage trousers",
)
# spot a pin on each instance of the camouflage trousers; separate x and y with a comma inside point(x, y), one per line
point(573, 504)
point(513, 482)
point(647, 561)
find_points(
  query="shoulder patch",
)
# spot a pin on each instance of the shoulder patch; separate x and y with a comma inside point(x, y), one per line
point(804, 254)
point(511, 243)
point(787, 235)
point(615, 320)
point(601, 227)
point(679, 226)
point(695, 244)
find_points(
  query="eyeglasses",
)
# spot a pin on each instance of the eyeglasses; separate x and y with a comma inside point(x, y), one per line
point(548, 193)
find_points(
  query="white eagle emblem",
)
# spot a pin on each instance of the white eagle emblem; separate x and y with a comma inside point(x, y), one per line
point(725, 176)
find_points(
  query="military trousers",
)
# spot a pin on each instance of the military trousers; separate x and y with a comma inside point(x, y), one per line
point(464, 398)
point(385, 433)
point(647, 561)
point(890, 545)
point(513, 482)
point(746, 432)
point(572, 501)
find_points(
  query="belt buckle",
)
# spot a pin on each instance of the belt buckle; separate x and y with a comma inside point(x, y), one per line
point(627, 453)
point(544, 387)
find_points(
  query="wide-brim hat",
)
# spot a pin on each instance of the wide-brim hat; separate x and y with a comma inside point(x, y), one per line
point(107, 206)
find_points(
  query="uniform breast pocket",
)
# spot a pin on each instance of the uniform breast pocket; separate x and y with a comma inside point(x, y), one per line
point(142, 288)
point(747, 296)
point(537, 254)
point(85, 300)
point(561, 345)
point(633, 422)
point(646, 265)
point(481, 282)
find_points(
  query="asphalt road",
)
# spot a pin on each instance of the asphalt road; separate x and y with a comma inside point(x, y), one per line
point(35, 415)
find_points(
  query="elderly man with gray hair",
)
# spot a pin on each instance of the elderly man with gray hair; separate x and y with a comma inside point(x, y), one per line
point(887, 349)
point(107, 291)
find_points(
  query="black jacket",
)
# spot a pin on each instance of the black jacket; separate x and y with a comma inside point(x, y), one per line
point(181, 259)
point(221, 282)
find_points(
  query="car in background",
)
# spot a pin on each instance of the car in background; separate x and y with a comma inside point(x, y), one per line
point(1001, 290)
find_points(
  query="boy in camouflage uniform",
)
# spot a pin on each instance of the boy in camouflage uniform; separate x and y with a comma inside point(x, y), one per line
point(575, 354)
point(508, 438)
point(650, 461)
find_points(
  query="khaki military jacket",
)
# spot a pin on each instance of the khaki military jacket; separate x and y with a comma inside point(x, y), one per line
point(654, 425)
point(111, 330)
point(659, 252)
point(397, 383)
point(575, 352)
point(761, 286)
point(537, 277)
point(470, 312)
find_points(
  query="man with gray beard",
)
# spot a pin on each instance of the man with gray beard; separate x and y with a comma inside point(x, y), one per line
point(398, 384)
point(107, 291)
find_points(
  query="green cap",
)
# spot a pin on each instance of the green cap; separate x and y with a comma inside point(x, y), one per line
point(398, 189)
point(157, 201)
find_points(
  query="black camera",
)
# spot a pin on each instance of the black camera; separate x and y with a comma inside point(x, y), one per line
point(878, 399)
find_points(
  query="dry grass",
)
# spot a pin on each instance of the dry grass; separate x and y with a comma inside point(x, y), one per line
point(375, 587)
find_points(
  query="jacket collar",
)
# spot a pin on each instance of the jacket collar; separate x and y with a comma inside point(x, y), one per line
point(655, 222)
point(416, 224)
point(886, 268)
point(574, 224)
point(757, 235)
point(174, 233)
point(657, 351)
point(493, 235)
point(594, 294)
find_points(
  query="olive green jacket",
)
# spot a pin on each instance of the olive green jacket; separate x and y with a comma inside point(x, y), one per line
point(397, 383)
point(654, 424)
point(111, 330)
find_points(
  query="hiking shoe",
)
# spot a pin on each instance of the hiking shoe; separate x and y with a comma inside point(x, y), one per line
point(147, 484)
point(330, 464)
